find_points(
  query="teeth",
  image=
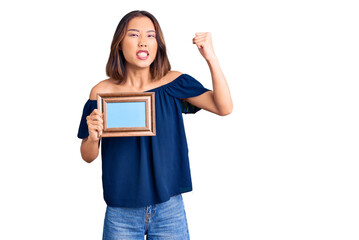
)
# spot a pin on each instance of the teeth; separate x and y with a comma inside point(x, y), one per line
point(142, 54)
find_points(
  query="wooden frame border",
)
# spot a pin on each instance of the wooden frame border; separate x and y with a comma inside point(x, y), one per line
point(147, 97)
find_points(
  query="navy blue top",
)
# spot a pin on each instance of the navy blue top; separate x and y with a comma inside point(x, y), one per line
point(146, 170)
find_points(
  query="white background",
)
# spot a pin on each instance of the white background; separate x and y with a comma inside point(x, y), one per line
point(283, 165)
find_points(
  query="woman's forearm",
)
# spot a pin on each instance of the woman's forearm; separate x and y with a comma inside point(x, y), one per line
point(89, 149)
point(221, 93)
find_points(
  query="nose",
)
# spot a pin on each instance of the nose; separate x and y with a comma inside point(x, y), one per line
point(142, 42)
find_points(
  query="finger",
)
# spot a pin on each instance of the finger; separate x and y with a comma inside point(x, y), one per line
point(98, 118)
point(95, 127)
point(100, 113)
point(96, 112)
point(200, 37)
point(199, 45)
point(94, 119)
point(95, 122)
point(199, 42)
point(92, 127)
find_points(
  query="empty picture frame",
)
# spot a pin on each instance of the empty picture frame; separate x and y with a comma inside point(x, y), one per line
point(127, 114)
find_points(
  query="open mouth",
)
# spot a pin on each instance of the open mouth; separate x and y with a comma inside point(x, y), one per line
point(142, 54)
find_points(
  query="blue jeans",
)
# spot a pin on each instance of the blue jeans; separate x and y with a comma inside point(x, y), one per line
point(162, 221)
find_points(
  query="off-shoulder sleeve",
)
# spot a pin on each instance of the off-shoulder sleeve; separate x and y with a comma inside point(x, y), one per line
point(187, 86)
point(90, 105)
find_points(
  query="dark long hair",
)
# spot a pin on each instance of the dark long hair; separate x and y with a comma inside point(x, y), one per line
point(115, 67)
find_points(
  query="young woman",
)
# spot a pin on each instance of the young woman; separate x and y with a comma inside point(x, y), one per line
point(143, 177)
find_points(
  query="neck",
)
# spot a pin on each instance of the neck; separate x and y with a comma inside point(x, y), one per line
point(138, 78)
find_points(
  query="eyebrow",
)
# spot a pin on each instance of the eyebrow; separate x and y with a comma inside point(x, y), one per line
point(136, 30)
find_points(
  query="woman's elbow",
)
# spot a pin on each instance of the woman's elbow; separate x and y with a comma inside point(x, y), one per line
point(225, 112)
point(88, 160)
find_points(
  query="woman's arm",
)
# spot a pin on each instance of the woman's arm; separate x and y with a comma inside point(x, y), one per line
point(89, 149)
point(219, 100)
point(90, 145)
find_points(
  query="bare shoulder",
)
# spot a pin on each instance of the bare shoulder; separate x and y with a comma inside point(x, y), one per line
point(172, 75)
point(101, 87)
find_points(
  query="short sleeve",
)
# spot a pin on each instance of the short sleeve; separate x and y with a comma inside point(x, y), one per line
point(90, 105)
point(187, 86)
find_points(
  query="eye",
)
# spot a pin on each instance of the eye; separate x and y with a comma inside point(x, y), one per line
point(133, 34)
point(152, 35)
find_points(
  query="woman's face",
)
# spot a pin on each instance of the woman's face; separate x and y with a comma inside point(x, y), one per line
point(140, 35)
